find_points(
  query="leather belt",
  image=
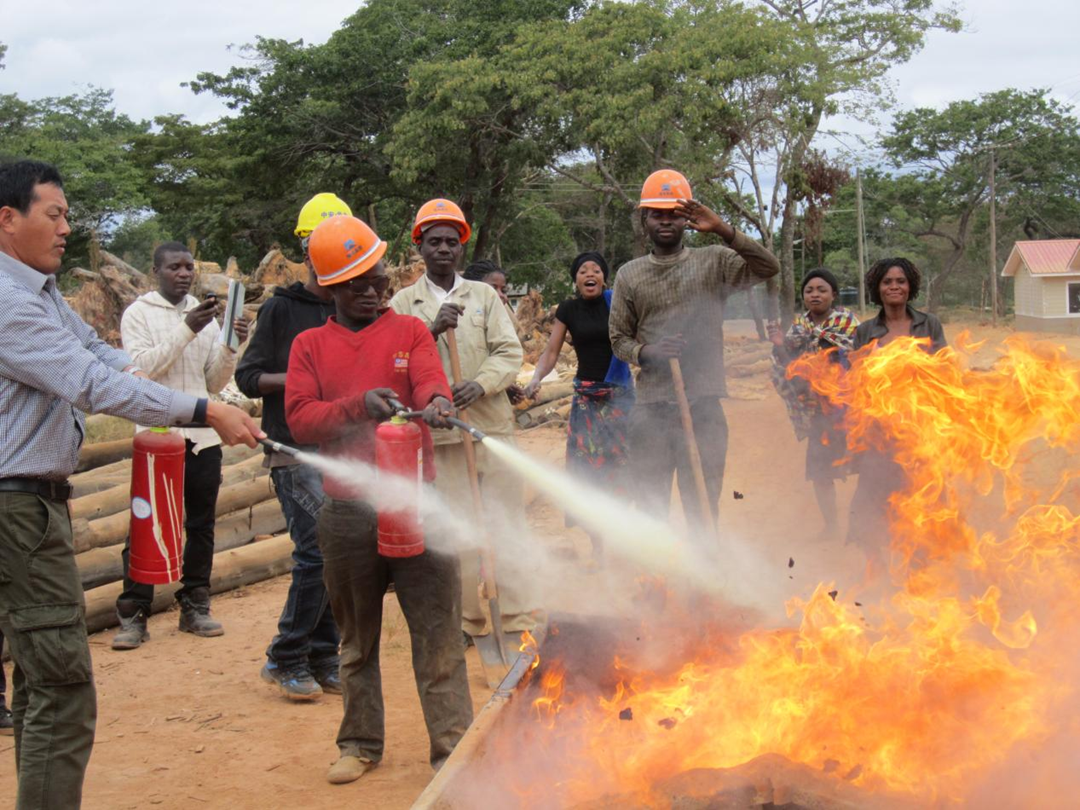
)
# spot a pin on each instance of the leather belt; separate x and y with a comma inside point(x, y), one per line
point(52, 490)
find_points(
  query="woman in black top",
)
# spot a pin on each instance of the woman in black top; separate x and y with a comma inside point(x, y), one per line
point(596, 446)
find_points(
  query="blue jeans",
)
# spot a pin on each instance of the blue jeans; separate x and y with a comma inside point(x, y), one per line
point(307, 636)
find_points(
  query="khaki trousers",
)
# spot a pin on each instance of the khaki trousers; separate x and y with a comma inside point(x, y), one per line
point(503, 524)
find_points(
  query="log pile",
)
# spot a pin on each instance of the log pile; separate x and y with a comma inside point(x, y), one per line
point(534, 323)
point(405, 274)
point(275, 270)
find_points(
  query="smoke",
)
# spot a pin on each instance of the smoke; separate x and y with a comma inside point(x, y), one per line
point(724, 572)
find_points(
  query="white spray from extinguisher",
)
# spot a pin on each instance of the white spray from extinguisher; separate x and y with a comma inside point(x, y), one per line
point(647, 543)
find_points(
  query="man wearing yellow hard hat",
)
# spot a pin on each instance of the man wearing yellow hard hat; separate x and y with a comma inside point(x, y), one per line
point(490, 355)
point(670, 304)
point(302, 659)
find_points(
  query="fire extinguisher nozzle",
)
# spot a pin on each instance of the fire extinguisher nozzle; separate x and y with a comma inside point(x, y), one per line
point(278, 447)
point(463, 425)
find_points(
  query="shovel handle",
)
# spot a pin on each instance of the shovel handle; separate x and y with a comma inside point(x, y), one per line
point(487, 568)
point(692, 445)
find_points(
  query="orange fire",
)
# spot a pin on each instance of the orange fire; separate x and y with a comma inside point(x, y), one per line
point(926, 693)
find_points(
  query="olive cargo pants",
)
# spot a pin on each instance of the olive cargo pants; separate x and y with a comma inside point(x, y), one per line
point(41, 615)
point(428, 588)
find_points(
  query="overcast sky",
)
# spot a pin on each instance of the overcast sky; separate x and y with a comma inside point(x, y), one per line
point(145, 50)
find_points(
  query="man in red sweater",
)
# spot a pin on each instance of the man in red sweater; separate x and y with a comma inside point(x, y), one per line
point(339, 380)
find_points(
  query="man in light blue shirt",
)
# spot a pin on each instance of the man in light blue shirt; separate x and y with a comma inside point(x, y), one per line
point(53, 368)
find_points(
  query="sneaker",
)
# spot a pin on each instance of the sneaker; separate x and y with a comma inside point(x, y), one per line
point(295, 684)
point(132, 632)
point(195, 614)
point(348, 769)
point(329, 680)
point(7, 724)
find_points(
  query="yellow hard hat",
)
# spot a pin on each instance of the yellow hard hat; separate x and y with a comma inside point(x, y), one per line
point(318, 208)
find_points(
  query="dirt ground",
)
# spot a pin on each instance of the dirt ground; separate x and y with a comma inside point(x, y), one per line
point(186, 722)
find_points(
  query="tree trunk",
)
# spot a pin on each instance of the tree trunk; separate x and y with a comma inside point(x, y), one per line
point(641, 242)
point(787, 263)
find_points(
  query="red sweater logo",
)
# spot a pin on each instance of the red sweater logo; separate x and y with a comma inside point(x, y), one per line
point(401, 362)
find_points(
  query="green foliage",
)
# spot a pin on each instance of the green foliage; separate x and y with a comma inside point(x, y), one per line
point(946, 154)
point(91, 143)
point(136, 238)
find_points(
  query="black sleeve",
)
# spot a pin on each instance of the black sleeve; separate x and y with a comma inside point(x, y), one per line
point(862, 335)
point(565, 313)
point(937, 334)
point(258, 358)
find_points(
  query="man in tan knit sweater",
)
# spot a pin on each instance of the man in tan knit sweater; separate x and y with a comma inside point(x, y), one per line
point(670, 303)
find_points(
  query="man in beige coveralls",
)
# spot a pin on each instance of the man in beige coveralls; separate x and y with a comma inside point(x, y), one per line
point(490, 360)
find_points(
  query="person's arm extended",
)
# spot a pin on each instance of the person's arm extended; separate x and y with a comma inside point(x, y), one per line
point(152, 356)
point(548, 358)
point(750, 264)
point(43, 354)
point(312, 419)
point(623, 322)
point(500, 368)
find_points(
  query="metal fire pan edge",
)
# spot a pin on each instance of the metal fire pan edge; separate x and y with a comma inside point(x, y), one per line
point(470, 744)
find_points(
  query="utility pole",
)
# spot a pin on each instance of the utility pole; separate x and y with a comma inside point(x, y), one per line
point(860, 239)
point(993, 241)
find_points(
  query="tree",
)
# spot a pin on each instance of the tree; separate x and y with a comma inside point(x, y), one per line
point(1036, 142)
point(91, 143)
point(848, 46)
point(642, 86)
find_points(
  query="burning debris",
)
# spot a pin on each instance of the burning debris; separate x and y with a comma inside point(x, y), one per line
point(967, 665)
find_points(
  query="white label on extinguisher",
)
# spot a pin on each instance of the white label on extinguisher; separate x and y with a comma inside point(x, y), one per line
point(419, 483)
point(140, 508)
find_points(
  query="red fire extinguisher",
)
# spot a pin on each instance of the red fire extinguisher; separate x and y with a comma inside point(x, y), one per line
point(157, 507)
point(398, 452)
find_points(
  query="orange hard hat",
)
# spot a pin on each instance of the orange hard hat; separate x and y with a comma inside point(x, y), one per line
point(664, 189)
point(439, 210)
point(342, 248)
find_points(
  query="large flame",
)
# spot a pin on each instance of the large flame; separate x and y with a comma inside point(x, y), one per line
point(927, 692)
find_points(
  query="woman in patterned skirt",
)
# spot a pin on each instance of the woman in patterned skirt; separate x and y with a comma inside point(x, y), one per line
point(823, 326)
point(596, 444)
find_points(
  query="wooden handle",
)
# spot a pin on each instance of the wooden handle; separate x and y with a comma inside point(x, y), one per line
point(691, 445)
point(487, 565)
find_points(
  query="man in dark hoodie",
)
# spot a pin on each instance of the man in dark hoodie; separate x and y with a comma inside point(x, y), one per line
point(303, 657)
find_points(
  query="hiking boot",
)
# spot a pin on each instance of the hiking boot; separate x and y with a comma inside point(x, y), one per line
point(195, 614)
point(295, 684)
point(348, 769)
point(132, 632)
point(329, 680)
point(7, 724)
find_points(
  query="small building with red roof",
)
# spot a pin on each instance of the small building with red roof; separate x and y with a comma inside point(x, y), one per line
point(1047, 285)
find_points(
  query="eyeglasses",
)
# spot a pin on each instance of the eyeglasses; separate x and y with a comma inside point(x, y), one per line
point(361, 285)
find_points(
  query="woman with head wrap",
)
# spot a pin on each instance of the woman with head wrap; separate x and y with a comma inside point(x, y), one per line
point(824, 326)
point(596, 442)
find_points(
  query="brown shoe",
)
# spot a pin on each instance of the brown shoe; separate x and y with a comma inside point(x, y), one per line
point(348, 769)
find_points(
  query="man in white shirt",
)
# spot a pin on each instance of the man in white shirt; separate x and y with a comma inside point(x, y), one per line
point(175, 340)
